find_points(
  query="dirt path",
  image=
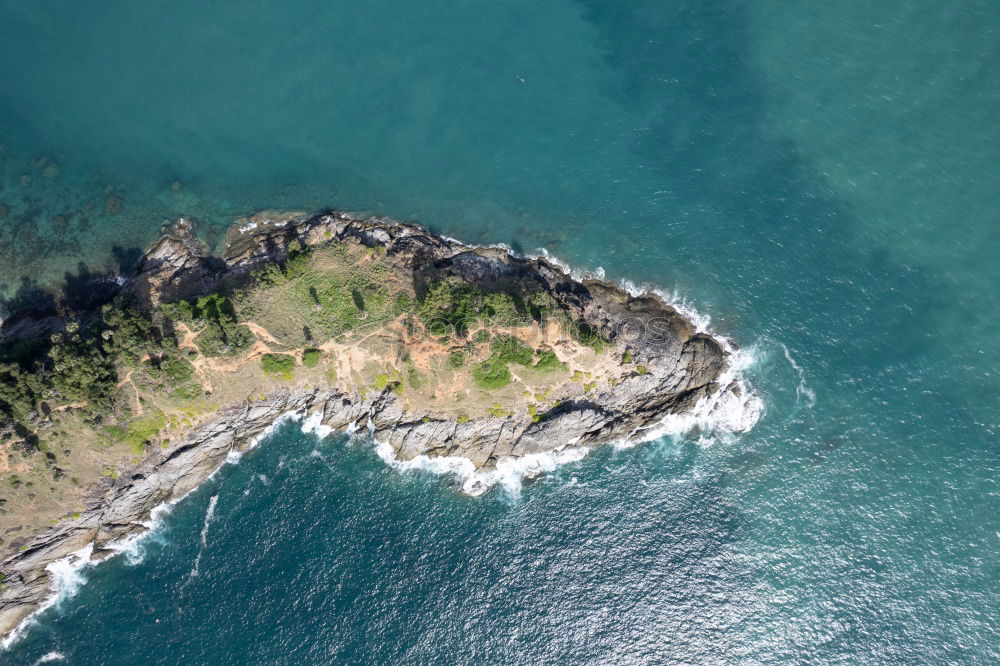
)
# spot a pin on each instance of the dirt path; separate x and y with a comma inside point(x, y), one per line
point(203, 365)
point(125, 380)
point(128, 380)
point(72, 405)
point(261, 333)
point(187, 336)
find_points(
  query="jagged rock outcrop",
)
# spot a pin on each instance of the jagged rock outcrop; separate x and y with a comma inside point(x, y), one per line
point(679, 368)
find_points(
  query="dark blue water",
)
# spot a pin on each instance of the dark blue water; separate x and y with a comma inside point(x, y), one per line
point(821, 180)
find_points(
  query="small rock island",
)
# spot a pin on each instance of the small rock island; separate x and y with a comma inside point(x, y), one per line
point(439, 349)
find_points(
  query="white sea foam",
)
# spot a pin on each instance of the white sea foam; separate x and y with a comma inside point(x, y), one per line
point(722, 415)
point(725, 413)
point(204, 534)
point(509, 473)
point(208, 519)
point(67, 578)
point(802, 390)
point(235, 456)
point(50, 657)
point(314, 424)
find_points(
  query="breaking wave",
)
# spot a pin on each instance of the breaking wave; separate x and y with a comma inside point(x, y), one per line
point(67, 579)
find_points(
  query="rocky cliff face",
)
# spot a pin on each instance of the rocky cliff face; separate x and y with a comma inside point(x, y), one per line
point(679, 368)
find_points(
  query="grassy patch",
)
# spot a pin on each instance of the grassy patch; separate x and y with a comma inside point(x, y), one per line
point(216, 314)
point(139, 432)
point(414, 378)
point(499, 412)
point(642, 370)
point(322, 293)
point(186, 392)
point(511, 350)
point(548, 361)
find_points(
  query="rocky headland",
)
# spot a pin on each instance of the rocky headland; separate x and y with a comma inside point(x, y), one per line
point(443, 350)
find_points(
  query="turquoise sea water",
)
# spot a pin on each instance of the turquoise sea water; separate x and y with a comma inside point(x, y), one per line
point(819, 178)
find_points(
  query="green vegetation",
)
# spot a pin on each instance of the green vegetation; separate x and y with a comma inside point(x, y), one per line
point(176, 370)
point(548, 361)
point(278, 365)
point(295, 265)
point(456, 359)
point(491, 373)
point(311, 357)
point(72, 367)
point(381, 381)
point(462, 418)
point(80, 370)
point(321, 293)
point(627, 356)
point(187, 392)
point(642, 370)
point(216, 315)
point(587, 335)
point(128, 335)
point(453, 304)
point(139, 432)
point(414, 378)
point(511, 350)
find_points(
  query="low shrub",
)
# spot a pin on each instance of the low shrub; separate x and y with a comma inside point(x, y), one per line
point(548, 361)
point(311, 357)
point(491, 373)
point(278, 365)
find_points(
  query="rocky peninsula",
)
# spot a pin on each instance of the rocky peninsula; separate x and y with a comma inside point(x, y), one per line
point(439, 349)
